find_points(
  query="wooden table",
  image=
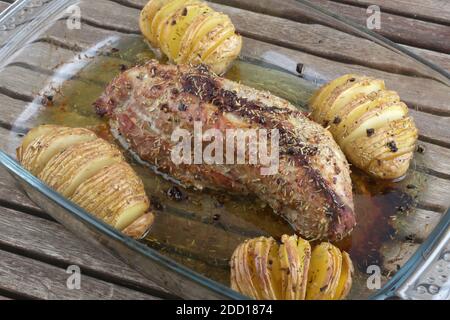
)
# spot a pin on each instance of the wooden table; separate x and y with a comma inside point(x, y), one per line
point(35, 251)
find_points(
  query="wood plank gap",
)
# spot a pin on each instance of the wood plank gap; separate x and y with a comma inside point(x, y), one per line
point(432, 172)
point(59, 44)
point(440, 143)
point(18, 207)
point(95, 24)
point(10, 127)
point(16, 95)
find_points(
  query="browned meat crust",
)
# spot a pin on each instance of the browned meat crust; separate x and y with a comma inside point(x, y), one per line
point(312, 188)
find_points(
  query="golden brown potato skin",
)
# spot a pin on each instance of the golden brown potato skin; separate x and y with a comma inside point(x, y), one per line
point(91, 172)
point(370, 124)
point(190, 32)
point(265, 270)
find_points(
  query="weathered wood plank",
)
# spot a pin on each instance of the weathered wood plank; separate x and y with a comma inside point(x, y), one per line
point(292, 10)
point(11, 195)
point(315, 39)
point(421, 94)
point(39, 280)
point(432, 128)
point(49, 240)
point(429, 10)
point(396, 28)
point(435, 159)
point(436, 195)
point(426, 35)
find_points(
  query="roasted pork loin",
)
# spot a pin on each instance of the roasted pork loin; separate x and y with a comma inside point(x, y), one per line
point(311, 188)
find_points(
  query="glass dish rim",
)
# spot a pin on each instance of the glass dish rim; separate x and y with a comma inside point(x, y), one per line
point(387, 291)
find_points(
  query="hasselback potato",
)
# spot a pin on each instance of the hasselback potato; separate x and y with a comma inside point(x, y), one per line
point(89, 171)
point(369, 122)
point(265, 270)
point(190, 32)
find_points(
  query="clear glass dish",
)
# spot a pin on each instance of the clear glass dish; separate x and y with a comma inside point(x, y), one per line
point(57, 56)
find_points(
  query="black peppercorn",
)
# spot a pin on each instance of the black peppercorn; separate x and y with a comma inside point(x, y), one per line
point(392, 146)
point(370, 132)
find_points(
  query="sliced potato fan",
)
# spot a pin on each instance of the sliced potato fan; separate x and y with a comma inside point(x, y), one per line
point(263, 269)
point(91, 172)
point(48, 142)
point(346, 278)
point(370, 124)
point(189, 31)
point(66, 171)
point(115, 194)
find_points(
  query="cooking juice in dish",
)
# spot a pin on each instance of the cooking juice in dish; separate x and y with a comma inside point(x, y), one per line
point(201, 229)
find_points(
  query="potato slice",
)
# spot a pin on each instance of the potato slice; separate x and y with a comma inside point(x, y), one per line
point(245, 267)
point(224, 54)
point(390, 168)
point(262, 247)
point(368, 147)
point(374, 119)
point(304, 254)
point(204, 27)
point(212, 40)
point(140, 227)
point(318, 99)
point(237, 280)
point(240, 280)
point(295, 253)
point(344, 94)
point(146, 18)
point(286, 279)
point(324, 272)
point(114, 194)
point(50, 142)
point(164, 15)
point(175, 28)
point(66, 171)
point(274, 268)
point(345, 280)
point(31, 136)
point(356, 108)
point(337, 264)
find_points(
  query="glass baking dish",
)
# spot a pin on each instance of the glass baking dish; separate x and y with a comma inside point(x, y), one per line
point(56, 57)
